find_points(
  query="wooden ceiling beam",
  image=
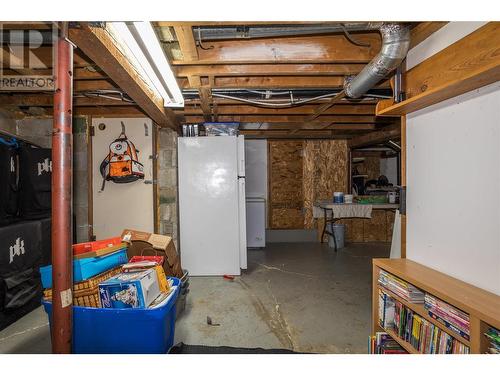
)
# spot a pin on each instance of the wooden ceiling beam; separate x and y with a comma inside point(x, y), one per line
point(301, 110)
point(79, 73)
point(231, 102)
point(189, 50)
point(227, 70)
point(101, 48)
point(103, 84)
point(318, 126)
point(278, 134)
point(105, 111)
point(132, 111)
point(45, 55)
point(470, 63)
point(380, 136)
point(40, 100)
point(20, 25)
point(238, 23)
point(303, 49)
point(291, 118)
point(206, 99)
point(270, 82)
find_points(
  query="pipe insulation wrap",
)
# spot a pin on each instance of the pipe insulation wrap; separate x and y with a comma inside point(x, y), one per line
point(395, 45)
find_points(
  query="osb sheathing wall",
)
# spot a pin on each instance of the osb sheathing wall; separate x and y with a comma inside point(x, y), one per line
point(301, 172)
point(370, 167)
point(285, 184)
point(324, 172)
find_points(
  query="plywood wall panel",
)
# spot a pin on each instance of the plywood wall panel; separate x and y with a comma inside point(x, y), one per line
point(389, 215)
point(370, 167)
point(311, 150)
point(375, 228)
point(285, 184)
point(325, 171)
point(287, 218)
point(355, 230)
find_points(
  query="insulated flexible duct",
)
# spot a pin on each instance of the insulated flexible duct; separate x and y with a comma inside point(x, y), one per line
point(395, 45)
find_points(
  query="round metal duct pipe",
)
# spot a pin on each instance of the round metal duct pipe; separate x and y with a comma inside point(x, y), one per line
point(395, 45)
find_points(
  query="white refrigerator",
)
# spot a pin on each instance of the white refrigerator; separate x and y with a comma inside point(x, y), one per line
point(212, 217)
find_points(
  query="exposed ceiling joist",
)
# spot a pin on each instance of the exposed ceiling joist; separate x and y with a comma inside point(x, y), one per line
point(206, 99)
point(39, 100)
point(380, 136)
point(292, 118)
point(299, 126)
point(300, 110)
point(99, 46)
point(277, 82)
point(311, 49)
point(228, 70)
point(189, 50)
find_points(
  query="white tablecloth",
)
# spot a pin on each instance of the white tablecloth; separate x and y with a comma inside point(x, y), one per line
point(343, 210)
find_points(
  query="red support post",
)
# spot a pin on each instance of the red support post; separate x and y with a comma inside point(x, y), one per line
point(62, 176)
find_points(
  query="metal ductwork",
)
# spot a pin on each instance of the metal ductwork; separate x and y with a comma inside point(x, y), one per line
point(395, 45)
point(210, 33)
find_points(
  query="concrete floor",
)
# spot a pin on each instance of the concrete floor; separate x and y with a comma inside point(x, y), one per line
point(299, 296)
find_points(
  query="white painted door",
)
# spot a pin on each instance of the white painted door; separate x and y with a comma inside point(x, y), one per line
point(209, 205)
point(128, 205)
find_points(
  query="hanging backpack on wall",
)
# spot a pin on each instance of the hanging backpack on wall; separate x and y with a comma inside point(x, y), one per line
point(9, 175)
point(121, 165)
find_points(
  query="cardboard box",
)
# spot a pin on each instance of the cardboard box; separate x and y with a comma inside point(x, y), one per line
point(130, 290)
point(144, 243)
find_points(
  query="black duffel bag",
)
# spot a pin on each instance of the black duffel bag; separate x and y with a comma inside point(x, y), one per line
point(9, 167)
point(35, 174)
point(19, 288)
point(20, 247)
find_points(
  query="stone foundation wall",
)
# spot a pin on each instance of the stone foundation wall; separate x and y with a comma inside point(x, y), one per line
point(167, 181)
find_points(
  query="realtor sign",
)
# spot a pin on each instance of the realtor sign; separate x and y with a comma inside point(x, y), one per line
point(24, 59)
point(26, 83)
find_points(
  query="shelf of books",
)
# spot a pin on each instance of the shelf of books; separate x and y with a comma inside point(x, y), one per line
point(420, 310)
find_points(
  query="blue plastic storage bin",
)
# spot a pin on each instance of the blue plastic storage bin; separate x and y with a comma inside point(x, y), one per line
point(86, 268)
point(123, 331)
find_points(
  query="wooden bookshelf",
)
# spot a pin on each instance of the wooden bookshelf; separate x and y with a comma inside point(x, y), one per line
point(406, 345)
point(483, 307)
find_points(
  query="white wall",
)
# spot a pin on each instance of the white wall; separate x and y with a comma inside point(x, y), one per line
point(453, 178)
point(256, 168)
point(389, 168)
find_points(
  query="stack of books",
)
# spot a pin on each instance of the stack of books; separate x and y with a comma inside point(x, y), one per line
point(385, 310)
point(424, 336)
point(401, 288)
point(453, 318)
point(493, 336)
point(383, 343)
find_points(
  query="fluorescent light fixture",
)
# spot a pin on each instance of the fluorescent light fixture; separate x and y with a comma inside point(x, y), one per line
point(148, 57)
point(160, 62)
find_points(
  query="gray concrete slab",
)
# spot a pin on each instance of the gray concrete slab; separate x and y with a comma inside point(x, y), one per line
point(299, 296)
point(310, 298)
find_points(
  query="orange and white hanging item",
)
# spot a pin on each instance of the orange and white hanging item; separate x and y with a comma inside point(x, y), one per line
point(121, 165)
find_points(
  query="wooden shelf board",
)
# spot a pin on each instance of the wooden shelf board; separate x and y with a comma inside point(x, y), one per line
point(420, 310)
point(438, 94)
point(473, 300)
point(468, 64)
